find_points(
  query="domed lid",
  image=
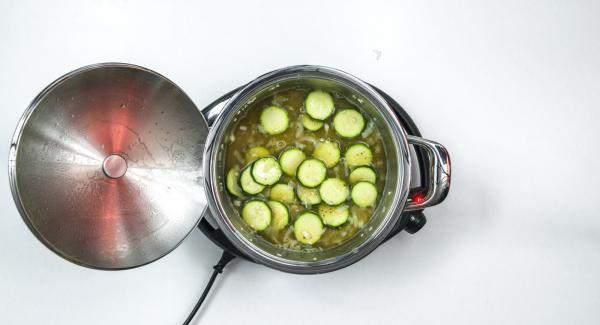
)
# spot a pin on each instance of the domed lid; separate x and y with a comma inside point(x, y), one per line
point(106, 166)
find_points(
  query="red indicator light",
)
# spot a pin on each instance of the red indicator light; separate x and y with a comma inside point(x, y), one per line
point(418, 198)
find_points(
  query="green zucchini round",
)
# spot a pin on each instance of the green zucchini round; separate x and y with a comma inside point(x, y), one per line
point(319, 105)
point(362, 173)
point(283, 193)
point(256, 153)
point(266, 171)
point(248, 184)
point(328, 152)
point(334, 191)
point(358, 154)
point(308, 196)
point(290, 159)
point(348, 123)
point(232, 182)
point(334, 216)
point(311, 172)
point(280, 215)
point(310, 123)
point(308, 228)
point(256, 214)
point(274, 120)
point(364, 194)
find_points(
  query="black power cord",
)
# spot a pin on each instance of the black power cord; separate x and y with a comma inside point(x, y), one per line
point(226, 257)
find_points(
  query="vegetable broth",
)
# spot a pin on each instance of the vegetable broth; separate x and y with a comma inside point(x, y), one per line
point(248, 134)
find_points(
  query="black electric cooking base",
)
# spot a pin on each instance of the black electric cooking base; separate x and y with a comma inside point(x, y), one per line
point(411, 221)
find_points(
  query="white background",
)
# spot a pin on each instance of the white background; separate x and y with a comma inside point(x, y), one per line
point(512, 88)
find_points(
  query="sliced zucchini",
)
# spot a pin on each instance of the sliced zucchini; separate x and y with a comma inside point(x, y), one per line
point(311, 172)
point(257, 214)
point(232, 182)
point(274, 120)
point(334, 216)
point(283, 193)
point(311, 124)
point(328, 152)
point(248, 184)
point(358, 154)
point(334, 191)
point(255, 153)
point(308, 196)
point(308, 228)
point(280, 215)
point(364, 194)
point(348, 123)
point(290, 159)
point(319, 105)
point(266, 171)
point(362, 173)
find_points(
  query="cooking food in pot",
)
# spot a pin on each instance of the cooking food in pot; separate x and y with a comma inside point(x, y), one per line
point(305, 167)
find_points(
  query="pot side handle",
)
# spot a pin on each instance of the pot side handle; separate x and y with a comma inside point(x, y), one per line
point(438, 184)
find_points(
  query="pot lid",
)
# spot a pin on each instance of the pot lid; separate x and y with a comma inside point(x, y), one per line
point(106, 166)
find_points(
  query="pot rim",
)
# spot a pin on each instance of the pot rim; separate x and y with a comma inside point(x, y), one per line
point(247, 247)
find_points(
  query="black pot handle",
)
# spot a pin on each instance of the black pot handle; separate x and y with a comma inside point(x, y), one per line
point(217, 237)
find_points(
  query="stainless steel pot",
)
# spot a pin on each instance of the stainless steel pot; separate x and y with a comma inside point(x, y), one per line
point(108, 167)
point(394, 198)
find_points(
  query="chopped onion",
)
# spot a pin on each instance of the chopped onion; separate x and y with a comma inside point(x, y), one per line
point(261, 129)
point(299, 129)
point(308, 139)
point(368, 130)
point(238, 156)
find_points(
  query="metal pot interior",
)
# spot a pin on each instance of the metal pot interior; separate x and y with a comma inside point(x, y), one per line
point(397, 177)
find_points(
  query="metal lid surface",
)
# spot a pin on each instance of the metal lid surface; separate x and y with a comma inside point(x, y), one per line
point(106, 166)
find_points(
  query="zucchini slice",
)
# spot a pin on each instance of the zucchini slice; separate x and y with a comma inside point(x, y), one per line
point(348, 123)
point(256, 153)
point(290, 159)
point(233, 186)
point(308, 196)
point(308, 228)
point(334, 216)
point(280, 215)
point(274, 120)
point(319, 105)
point(248, 184)
point(311, 172)
point(283, 193)
point(364, 194)
point(311, 124)
point(257, 214)
point(362, 173)
point(358, 154)
point(328, 152)
point(334, 191)
point(266, 171)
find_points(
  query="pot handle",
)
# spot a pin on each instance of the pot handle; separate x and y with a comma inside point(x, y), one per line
point(438, 184)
